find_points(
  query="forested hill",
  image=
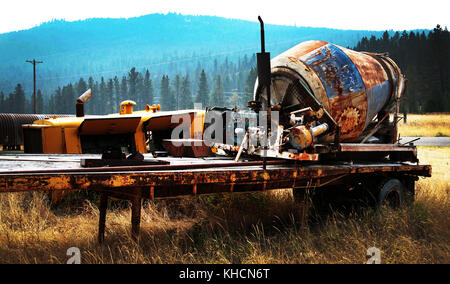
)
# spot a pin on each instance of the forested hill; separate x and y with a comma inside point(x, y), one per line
point(164, 44)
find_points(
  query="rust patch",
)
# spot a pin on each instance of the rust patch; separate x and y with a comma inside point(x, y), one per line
point(344, 110)
point(305, 48)
point(348, 119)
point(370, 69)
point(325, 68)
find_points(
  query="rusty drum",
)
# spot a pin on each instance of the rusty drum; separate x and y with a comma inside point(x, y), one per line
point(352, 86)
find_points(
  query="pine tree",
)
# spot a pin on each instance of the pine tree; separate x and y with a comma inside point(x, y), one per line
point(167, 101)
point(132, 82)
point(51, 105)
point(202, 93)
point(218, 94)
point(68, 99)
point(96, 99)
point(250, 85)
point(19, 99)
point(89, 106)
point(64, 100)
point(117, 94)
point(109, 96)
point(58, 103)
point(124, 90)
point(215, 68)
point(148, 89)
point(177, 91)
point(81, 87)
point(72, 98)
point(185, 94)
point(197, 74)
point(103, 97)
point(140, 101)
point(39, 102)
point(2, 102)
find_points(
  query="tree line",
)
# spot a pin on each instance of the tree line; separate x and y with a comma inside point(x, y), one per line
point(230, 85)
point(425, 60)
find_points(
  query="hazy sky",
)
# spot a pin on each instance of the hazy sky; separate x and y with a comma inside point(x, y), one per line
point(342, 14)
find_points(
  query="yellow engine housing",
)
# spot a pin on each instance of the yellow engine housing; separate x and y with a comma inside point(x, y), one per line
point(88, 134)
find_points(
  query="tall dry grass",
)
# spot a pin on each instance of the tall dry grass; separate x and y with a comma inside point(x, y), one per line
point(429, 125)
point(255, 228)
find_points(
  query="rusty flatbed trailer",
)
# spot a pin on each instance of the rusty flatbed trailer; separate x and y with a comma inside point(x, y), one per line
point(188, 176)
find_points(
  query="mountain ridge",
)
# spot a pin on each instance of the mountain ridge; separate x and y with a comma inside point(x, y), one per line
point(164, 43)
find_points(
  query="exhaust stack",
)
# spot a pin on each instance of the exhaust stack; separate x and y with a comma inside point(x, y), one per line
point(80, 102)
point(264, 74)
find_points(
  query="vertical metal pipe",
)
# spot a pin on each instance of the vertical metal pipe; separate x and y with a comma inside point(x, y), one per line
point(264, 78)
point(34, 86)
point(263, 48)
point(80, 102)
point(267, 81)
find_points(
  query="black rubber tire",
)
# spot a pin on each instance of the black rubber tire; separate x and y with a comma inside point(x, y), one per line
point(392, 193)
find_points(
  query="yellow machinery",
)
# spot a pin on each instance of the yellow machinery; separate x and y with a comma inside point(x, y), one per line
point(128, 130)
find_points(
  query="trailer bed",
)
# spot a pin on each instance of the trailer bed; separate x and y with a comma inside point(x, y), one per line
point(23, 172)
point(60, 174)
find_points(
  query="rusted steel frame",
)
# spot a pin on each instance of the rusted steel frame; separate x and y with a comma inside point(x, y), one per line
point(148, 168)
point(135, 196)
point(332, 180)
point(103, 207)
point(193, 187)
point(89, 181)
point(124, 193)
point(303, 200)
point(136, 199)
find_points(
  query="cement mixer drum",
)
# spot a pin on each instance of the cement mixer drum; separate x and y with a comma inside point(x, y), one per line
point(352, 86)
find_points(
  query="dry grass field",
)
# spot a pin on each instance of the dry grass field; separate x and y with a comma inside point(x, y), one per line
point(429, 125)
point(256, 228)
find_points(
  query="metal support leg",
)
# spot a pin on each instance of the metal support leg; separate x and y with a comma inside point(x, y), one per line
point(103, 206)
point(136, 216)
point(306, 209)
point(303, 199)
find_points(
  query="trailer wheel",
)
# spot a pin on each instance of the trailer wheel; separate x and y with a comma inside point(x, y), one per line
point(392, 193)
